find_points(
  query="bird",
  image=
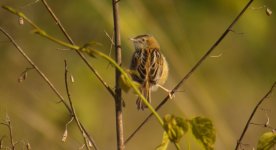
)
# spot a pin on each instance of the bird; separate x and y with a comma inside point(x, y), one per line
point(150, 67)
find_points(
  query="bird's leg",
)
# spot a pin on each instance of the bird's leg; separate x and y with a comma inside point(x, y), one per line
point(167, 90)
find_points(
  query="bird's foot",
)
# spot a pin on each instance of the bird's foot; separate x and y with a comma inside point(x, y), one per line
point(171, 95)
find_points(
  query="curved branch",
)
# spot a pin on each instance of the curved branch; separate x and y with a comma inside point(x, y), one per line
point(252, 115)
point(9, 126)
point(74, 115)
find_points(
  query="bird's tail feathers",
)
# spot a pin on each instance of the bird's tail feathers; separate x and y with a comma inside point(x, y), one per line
point(146, 92)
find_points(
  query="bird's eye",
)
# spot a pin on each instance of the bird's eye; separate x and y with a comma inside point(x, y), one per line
point(143, 39)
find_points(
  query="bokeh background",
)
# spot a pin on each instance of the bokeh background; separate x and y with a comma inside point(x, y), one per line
point(225, 88)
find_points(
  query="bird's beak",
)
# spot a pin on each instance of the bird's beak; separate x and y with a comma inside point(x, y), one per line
point(132, 39)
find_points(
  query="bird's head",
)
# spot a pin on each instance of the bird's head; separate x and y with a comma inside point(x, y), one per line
point(144, 42)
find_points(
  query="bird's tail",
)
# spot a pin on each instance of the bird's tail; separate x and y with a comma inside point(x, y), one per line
point(146, 92)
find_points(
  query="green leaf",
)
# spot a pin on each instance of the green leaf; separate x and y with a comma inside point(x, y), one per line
point(124, 83)
point(133, 72)
point(267, 141)
point(175, 127)
point(203, 130)
point(165, 142)
point(88, 51)
point(89, 48)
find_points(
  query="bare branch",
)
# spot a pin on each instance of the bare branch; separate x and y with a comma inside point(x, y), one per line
point(195, 67)
point(8, 124)
point(68, 107)
point(30, 3)
point(37, 69)
point(252, 115)
point(109, 89)
point(111, 39)
point(74, 116)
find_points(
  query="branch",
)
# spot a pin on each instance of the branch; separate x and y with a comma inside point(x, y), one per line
point(74, 115)
point(109, 89)
point(118, 91)
point(252, 115)
point(37, 69)
point(49, 83)
point(9, 126)
point(187, 76)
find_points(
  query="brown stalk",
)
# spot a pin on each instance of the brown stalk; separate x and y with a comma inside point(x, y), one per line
point(118, 92)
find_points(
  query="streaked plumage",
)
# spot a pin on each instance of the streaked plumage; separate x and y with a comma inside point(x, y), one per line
point(150, 64)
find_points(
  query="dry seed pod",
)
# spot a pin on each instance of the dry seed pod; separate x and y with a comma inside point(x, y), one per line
point(72, 78)
point(90, 144)
point(23, 77)
point(28, 146)
point(268, 11)
point(64, 136)
point(21, 20)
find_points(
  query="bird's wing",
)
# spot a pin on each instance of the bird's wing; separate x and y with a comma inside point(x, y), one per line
point(138, 65)
point(156, 66)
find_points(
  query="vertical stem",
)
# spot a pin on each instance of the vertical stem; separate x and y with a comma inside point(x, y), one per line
point(118, 92)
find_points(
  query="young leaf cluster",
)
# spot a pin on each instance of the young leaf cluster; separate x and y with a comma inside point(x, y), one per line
point(176, 127)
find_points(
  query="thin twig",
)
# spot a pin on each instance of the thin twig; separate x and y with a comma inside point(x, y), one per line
point(252, 115)
point(74, 115)
point(109, 89)
point(30, 3)
point(49, 83)
point(24, 74)
point(111, 43)
point(11, 135)
point(118, 91)
point(110, 39)
point(37, 69)
point(9, 126)
point(1, 141)
point(202, 59)
point(262, 125)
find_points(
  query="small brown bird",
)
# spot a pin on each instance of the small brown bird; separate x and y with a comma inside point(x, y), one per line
point(150, 65)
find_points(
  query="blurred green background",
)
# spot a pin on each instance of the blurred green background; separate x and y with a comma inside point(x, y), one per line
point(224, 89)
